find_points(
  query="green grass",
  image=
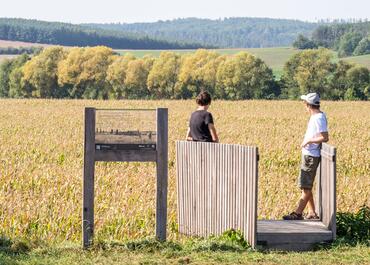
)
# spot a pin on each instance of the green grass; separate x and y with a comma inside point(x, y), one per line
point(6, 56)
point(361, 60)
point(193, 251)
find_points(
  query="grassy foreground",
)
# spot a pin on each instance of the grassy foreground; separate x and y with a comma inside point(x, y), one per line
point(190, 251)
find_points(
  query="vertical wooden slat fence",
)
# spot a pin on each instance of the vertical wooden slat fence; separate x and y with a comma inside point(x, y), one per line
point(326, 188)
point(217, 188)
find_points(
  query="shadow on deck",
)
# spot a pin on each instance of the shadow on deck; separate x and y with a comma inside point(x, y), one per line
point(291, 235)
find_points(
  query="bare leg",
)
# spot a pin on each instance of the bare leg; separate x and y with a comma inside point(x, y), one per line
point(311, 205)
point(305, 197)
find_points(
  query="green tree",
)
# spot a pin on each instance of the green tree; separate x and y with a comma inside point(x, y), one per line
point(18, 88)
point(308, 71)
point(348, 43)
point(363, 47)
point(339, 82)
point(304, 43)
point(244, 76)
point(290, 87)
point(5, 70)
point(358, 83)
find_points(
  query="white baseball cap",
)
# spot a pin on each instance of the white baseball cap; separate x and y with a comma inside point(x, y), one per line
point(311, 98)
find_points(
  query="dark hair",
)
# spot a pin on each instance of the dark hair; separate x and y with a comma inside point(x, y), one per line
point(314, 106)
point(204, 98)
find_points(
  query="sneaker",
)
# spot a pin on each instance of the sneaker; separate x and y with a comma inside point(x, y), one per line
point(293, 216)
point(312, 216)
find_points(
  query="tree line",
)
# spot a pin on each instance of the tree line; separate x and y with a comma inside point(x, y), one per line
point(74, 35)
point(19, 50)
point(239, 32)
point(99, 73)
point(346, 38)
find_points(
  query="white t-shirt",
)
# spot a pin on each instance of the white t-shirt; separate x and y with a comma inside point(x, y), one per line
point(317, 124)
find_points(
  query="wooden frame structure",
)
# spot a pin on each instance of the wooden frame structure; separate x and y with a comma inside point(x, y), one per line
point(217, 188)
point(92, 155)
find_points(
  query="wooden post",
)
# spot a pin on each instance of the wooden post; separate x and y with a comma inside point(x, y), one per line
point(162, 173)
point(333, 222)
point(255, 202)
point(326, 188)
point(88, 178)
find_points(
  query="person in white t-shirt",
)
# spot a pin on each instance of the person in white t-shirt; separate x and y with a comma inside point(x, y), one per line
point(317, 133)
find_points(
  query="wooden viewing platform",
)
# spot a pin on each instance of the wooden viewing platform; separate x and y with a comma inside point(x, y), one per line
point(303, 235)
point(217, 188)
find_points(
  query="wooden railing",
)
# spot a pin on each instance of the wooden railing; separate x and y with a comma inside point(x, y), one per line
point(217, 188)
point(326, 188)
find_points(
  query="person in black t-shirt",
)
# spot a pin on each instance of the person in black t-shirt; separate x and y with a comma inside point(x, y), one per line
point(201, 126)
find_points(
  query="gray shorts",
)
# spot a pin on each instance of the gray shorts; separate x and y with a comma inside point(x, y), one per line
point(308, 171)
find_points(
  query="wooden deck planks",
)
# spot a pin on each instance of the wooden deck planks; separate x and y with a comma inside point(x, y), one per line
point(291, 235)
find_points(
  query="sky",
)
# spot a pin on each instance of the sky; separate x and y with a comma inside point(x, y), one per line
point(129, 11)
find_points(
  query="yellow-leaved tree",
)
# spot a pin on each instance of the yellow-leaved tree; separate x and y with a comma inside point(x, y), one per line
point(85, 71)
point(40, 73)
point(137, 75)
point(116, 75)
point(163, 75)
point(198, 72)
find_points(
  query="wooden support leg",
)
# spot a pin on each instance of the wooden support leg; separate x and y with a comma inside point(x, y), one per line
point(88, 179)
point(162, 173)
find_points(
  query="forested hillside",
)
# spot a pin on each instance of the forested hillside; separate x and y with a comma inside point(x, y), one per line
point(74, 35)
point(224, 33)
point(346, 38)
point(329, 35)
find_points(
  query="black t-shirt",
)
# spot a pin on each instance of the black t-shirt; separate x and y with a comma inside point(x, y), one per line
point(198, 124)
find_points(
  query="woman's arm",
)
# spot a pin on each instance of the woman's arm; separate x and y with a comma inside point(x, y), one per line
point(214, 135)
point(188, 135)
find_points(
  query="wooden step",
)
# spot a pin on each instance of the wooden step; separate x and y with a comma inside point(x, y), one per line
point(291, 235)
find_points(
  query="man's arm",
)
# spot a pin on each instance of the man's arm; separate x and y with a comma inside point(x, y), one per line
point(188, 135)
point(214, 135)
point(322, 137)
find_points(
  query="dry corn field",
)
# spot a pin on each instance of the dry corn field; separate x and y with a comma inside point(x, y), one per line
point(41, 159)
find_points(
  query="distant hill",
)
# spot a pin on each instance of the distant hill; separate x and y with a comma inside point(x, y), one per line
point(66, 34)
point(223, 33)
point(329, 35)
